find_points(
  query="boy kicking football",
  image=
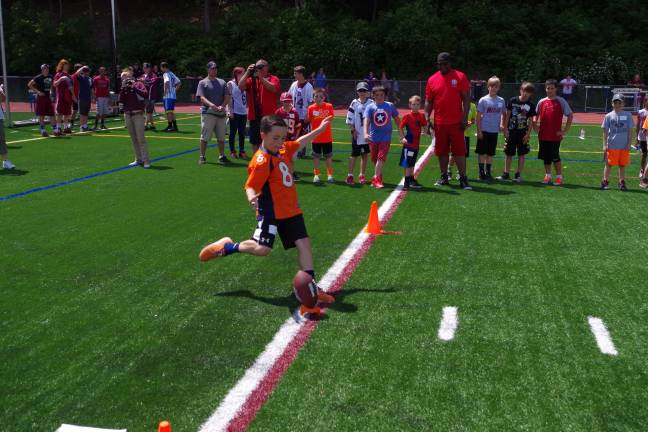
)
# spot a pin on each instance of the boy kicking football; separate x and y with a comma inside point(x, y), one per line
point(270, 190)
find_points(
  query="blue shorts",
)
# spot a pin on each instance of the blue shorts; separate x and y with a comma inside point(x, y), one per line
point(169, 104)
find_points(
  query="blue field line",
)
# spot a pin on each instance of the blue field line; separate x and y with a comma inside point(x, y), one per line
point(91, 176)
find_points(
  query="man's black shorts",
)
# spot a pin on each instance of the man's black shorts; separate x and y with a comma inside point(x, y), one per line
point(322, 150)
point(515, 144)
point(549, 152)
point(290, 230)
point(408, 157)
point(488, 144)
point(644, 147)
point(255, 132)
point(359, 149)
point(84, 107)
point(75, 106)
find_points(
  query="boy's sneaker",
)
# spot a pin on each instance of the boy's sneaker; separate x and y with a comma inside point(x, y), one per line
point(362, 179)
point(242, 155)
point(547, 179)
point(377, 183)
point(517, 178)
point(605, 185)
point(103, 127)
point(316, 179)
point(6, 164)
point(67, 131)
point(202, 160)
point(415, 185)
point(349, 180)
point(622, 186)
point(463, 183)
point(305, 310)
point(214, 250)
point(643, 184)
point(558, 181)
point(222, 159)
point(44, 133)
point(330, 179)
point(443, 180)
point(504, 177)
point(135, 163)
point(233, 155)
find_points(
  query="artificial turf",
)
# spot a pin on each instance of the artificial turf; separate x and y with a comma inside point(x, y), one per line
point(110, 320)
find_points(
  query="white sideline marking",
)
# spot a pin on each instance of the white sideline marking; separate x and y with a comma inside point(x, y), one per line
point(449, 323)
point(71, 428)
point(238, 395)
point(602, 336)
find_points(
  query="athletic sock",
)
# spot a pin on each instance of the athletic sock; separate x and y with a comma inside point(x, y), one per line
point(311, 273)
point(488, 169)
point(175, 125)
point(481, 168)
point(316, 172)
point(231, 248)
point(329, 171)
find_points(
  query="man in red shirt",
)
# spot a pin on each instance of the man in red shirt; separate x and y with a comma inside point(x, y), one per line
point(262, 91)
point(447, 93)
point(101, 89)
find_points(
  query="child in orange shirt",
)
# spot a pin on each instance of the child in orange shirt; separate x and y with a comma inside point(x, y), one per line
point(322, 144)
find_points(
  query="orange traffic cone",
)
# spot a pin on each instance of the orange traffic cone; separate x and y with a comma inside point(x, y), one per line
point(373, 225)
point(164, 426)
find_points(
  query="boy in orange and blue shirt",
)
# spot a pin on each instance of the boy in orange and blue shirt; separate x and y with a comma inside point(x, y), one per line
point(411, 126)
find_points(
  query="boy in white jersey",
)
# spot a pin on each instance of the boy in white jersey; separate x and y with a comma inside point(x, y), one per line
point(355, 120)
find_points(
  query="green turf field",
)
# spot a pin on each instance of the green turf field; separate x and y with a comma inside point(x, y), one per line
point(108, 318)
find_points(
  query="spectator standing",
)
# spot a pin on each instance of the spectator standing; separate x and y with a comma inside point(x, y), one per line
point(395, 88)
point(150, 80)
point(320, 80)
point(64, 98)
point(371, 81)
point(237, 113)
point(302, 94)
point(386, 83)
point(132, 95)
point(4, 151)
point(82, 78)
point(214, 97)
point(101, 89)
point(447, 93)
point(42, 85)
point(262, 91)
point(171, 86)
point(568, 84)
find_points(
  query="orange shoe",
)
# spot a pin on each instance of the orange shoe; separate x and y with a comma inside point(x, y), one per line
point(547, 179)
point(558, 181)
point(325, 297)
point(214, 250)
point(303, 310)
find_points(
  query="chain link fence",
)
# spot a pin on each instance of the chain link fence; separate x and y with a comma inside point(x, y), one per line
point(585, 97)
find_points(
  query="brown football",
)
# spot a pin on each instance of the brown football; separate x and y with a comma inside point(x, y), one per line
point(304, 288)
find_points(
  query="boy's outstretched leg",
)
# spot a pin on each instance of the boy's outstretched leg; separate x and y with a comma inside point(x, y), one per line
point(226, 246)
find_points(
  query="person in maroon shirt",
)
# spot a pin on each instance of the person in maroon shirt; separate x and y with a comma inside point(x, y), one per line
point(132, 95)
point(64, 98)
point(262, 90)
point(150, 80)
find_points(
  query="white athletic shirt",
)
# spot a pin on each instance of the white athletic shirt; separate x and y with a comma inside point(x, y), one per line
point(355, 117)
point(302, 98)
point(169, 77)
point(239, 99)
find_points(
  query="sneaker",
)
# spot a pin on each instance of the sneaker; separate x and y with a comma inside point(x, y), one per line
point(57, 133)
point(316, 179)
point(416, 185)
point(222, 159)
point(202, 160)
point(330, 179)
point(558, 181)
point(605, 185)
point(443, 181)
point(641, 174)
point(643, 184)
point(406, 187)
point(379, 183)
point(517, 178)
point(146, 165)
point(214, 250)
point(6, 164)
point(305, 310)
point(488, 177)
point(67, 131)
point(84, 129)
point(547, 179)
point(504, 177)
point(622, 186)
point(324, 297)
point(463, 183)
point(135, 163)
point(167, 129)
point(349, 180)
point(44, 133)
point(362, 179)
point(233, 155)
point(103, 127)
point(242, 155)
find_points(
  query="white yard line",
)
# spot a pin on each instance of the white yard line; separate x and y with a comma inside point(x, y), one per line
point(602, 336)
point(449, 323)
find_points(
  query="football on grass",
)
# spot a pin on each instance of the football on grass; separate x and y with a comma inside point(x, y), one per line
point(305, 289)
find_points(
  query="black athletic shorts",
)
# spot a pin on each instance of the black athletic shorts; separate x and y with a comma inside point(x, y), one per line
point(255, 132)
point(549, 152)
point(359, 149)
point(515, 144)
point(84, 107)
point(644, 147)
point(290, 230)
point(488, 144)
point(408, 157)
point(322, 150)
point(75, 106)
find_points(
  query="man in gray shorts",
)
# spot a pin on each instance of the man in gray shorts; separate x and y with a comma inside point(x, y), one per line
point(214, 97)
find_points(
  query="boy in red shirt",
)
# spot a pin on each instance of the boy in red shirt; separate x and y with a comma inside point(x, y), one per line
point(271, 192)
point(411, 126)
point(290, 116)
point(550, 112)
point(322, 144)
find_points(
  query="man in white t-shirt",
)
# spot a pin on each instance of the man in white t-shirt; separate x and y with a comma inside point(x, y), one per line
point(568, 84)
point(302, 93)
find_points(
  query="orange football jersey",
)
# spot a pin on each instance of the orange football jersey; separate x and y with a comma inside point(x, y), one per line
point(316, 114)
